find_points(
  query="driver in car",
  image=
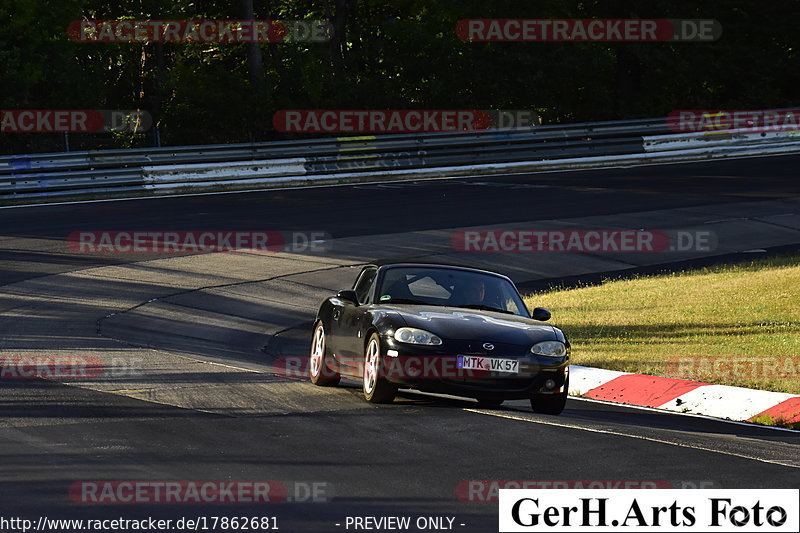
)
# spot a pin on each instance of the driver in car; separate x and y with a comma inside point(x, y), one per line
point(475, 293)
point(470, 292)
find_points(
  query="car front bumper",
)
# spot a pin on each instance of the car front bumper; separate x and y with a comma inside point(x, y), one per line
point(435, 369)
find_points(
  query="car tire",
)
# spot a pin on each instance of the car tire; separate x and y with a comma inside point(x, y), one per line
point(318, 369)
point(490, 403)
point(550, 404)
point(376, 389)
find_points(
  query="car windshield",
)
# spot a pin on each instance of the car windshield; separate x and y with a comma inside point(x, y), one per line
point(450, 287)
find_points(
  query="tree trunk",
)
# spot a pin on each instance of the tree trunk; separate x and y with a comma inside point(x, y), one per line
point(255, 61)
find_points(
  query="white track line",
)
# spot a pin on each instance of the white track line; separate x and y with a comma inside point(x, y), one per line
point(628, 406)
point(691, 415)
point(609, 432)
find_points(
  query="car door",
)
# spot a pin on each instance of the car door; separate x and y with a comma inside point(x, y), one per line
point(349, 319)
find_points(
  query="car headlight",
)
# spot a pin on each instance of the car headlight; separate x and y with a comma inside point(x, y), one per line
point(550, 348)
point(416, 336)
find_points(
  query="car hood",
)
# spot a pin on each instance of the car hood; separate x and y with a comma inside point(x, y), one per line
point(467, 324)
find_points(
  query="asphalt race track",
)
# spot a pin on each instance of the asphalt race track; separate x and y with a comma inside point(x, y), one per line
point(189, 345)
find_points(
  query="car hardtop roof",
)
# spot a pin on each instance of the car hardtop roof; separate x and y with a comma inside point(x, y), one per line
point(387, 263)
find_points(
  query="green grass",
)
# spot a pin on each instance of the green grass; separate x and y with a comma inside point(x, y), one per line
point(735, 324)
point(766, 420)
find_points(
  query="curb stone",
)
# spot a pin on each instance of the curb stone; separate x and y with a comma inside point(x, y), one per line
point(685, 396)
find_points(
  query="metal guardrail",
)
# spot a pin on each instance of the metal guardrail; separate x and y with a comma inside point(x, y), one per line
point(188, 154)
point(136, 172)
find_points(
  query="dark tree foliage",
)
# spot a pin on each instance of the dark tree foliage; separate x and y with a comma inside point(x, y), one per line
point(385, 54)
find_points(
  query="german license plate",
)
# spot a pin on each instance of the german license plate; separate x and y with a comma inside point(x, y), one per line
point(492, 364)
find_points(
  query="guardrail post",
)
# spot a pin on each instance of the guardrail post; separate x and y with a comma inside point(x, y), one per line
point(66, 141)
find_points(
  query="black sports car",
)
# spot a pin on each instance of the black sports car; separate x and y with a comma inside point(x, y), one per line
point(440, 328)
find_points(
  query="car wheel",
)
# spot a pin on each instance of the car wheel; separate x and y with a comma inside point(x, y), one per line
point(550, 404)
point(490, 403)
point(318, 368)
point(376, 388)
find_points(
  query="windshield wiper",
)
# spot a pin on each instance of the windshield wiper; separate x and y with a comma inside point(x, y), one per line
point(488, 308)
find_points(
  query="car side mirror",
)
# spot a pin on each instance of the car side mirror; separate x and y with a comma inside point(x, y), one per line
point(540, 313)
point(348, 295)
